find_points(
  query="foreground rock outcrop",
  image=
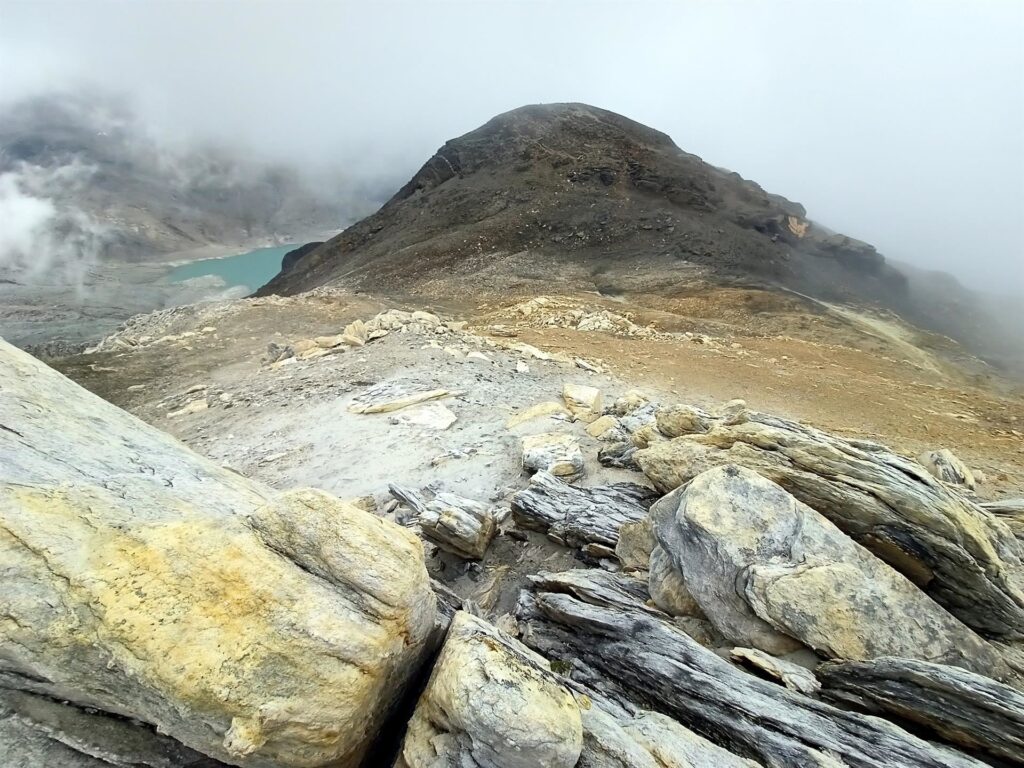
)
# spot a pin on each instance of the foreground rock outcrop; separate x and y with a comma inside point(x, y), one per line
point(491, 702)
point(633, 655)
point(143, 581)
point(962, 556)
point(768, 570)
point(956, 705)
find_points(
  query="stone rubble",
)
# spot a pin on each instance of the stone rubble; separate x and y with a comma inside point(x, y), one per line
point(716, 627)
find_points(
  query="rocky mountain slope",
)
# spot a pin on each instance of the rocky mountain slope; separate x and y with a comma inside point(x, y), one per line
point(544, 190)
point(593, 201)
point(537, 563)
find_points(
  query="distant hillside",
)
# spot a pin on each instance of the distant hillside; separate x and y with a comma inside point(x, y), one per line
point(579, 198)
point(124, 195)
point(547, 186)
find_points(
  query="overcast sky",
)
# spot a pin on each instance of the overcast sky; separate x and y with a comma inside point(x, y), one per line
point(901, 123)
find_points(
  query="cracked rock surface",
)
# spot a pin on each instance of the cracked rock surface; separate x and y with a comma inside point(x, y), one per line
point(142, 580)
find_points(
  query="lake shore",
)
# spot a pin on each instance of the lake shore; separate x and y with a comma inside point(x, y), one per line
point(47, 312)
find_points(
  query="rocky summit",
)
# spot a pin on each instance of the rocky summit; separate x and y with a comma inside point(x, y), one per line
point(580, 453)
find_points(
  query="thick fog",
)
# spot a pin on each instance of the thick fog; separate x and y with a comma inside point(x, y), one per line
point(898, 123)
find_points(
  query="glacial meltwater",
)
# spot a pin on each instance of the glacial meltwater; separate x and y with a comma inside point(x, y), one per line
point(252, 269)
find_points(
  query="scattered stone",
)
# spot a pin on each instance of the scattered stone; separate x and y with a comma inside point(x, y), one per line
point(948, 468)
point(583, 402)
point(602, 426)
point(676, 420)
point(196, 388)
point(385, 398)
point(278, 352)
point(477, 355)
point(628, 403)
point(194, 406)
point(431, 416)
point(791, 675)
point(490, 701)
point(456, 524)
point(548, 408)
point(554, 452)
point(620, 455)
point(329, 342)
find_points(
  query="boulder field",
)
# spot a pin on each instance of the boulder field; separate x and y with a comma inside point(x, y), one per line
point(718, 587)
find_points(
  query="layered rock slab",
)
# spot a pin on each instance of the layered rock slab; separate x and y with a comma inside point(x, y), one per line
point(766, 569)
point(967, 709)
point(965, 558)
point(143, 580)
point(636, 657)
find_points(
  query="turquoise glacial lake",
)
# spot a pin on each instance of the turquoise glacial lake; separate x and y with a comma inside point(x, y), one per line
point(252, 269)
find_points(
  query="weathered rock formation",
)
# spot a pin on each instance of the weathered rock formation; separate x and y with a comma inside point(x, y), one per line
point(491, 702)
point(458, 525)
point(765, 569)
point(963, 557)
point(961, 707)
point(144, 581)
point(585, 518)
point(635, 656)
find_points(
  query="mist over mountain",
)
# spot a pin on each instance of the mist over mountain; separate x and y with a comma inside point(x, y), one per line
point(82, 180)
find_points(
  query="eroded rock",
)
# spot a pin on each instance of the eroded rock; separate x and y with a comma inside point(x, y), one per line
point(767, 569)
point(555, 452)
point(965, 558)
point(491, 702)
point(144, 580)
point(458, 525)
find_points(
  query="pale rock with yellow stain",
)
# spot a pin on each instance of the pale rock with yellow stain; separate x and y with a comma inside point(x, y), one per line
point(770, 572)
point(491, 702)
point(143, 580)
point(599, 427)
point(546, 409)
point(961, 555)
point(948, 467)
point(583, 402)
point(555, 452)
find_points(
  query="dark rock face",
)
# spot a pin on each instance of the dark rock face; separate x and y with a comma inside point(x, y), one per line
point(591, 198)
point(292, 257)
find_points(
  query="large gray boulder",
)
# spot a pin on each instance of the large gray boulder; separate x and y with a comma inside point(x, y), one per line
point(769, 571)
point(142, 580)
point(965, 558)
